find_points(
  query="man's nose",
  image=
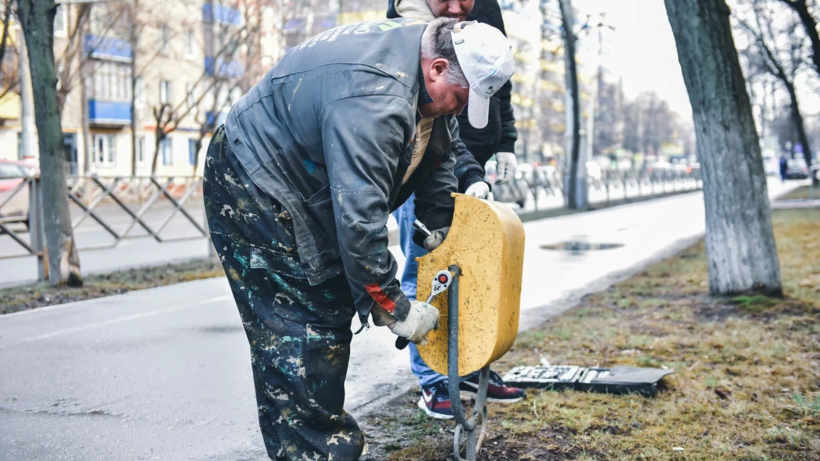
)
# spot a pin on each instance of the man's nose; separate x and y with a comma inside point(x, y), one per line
point(455, 9)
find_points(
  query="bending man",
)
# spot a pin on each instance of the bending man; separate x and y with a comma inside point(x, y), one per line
point(299, 183)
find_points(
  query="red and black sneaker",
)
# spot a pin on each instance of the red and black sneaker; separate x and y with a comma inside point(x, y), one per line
point(497, 391)
point(435, 401)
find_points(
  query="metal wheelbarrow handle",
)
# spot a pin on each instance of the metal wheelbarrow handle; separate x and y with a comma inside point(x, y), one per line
point(479, 410)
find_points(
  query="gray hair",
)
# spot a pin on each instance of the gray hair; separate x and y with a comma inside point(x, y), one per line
point(437, 43)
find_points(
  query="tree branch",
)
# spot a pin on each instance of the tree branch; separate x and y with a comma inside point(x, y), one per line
point(810, 25)
point(4, 40)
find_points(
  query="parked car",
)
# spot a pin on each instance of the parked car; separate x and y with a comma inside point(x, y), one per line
point(797, 169)
point(15, 205)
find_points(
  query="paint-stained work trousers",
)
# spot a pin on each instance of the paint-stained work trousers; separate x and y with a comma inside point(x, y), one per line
point(299, 334)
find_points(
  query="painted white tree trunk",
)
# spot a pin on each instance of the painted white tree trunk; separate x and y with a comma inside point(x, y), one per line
point(37, 20)
point(739, 240)
point(29, 129)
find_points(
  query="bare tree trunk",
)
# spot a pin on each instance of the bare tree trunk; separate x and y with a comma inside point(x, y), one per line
point(572, 88)
point(810, 25)
point(776, 68)
point(739, 240)
point(797, 120)
point(157, 146)
point(88, 146)
point(37, 20)
point(133, 40)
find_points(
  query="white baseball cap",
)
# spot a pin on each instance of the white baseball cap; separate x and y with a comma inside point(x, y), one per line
point(486, 58)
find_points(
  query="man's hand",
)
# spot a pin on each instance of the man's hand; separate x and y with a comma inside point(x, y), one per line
point(420, 320)
point(382, 318)
point(505, 167)
point(432, 241)
point(480, 189)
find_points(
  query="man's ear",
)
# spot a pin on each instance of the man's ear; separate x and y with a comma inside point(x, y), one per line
point(437, 69)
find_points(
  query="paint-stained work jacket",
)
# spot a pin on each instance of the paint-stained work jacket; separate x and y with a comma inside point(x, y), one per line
point(329, 132)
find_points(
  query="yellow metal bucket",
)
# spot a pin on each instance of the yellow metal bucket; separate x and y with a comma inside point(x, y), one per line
point(486, 241)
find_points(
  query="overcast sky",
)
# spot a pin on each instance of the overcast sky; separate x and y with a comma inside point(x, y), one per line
point(642, 49)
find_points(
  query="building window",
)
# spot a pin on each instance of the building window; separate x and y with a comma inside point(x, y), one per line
point(164, 92)
point(139, 90)
point(164, 37)
point(189, 43)
point(167, 148)
point(141, 149)
point(189, 90)
point(104, 149)
point(61, 20)
point(191, 151)
point(112, 82)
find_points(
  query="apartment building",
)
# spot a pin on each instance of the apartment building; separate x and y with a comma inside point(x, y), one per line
point(176, 58)
point(539, 83)
point(182, 61)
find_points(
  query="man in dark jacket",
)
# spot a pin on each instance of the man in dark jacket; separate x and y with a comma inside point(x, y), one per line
point(500, 134)
point(299, 184)
point(476, 146)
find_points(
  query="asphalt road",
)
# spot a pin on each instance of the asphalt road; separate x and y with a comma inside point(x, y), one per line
point(165, 373)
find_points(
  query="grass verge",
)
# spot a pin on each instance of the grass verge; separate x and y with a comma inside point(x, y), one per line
point(801, 193)
point(24, 297)
point(745, 387)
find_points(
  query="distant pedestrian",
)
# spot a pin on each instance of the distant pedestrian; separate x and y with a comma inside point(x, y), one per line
point(784, 167)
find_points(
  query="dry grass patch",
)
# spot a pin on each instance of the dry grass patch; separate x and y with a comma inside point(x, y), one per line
point(746, 381)
point(801, 193)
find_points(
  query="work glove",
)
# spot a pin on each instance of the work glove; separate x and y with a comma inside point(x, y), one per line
point(480, 189)
point(432, 241)
point(505, 167)
point(420, 320)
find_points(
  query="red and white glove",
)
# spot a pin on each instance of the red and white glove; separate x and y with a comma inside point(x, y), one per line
point(420, 320)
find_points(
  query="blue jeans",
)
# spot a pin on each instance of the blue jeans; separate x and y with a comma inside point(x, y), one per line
point(405, 216)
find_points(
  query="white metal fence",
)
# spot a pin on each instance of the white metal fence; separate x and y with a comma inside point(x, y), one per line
point(118, 205)
point(532, 187)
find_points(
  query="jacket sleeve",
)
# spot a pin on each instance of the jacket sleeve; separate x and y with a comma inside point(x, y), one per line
point(467, 170)
point(362, 138)
point(491, 14)
point(509, 134)
point(434, 201)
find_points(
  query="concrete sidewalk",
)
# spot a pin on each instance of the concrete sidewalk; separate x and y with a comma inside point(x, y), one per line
point(164, 373)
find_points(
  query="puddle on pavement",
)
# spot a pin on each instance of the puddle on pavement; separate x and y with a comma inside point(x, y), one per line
point(581, 246)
